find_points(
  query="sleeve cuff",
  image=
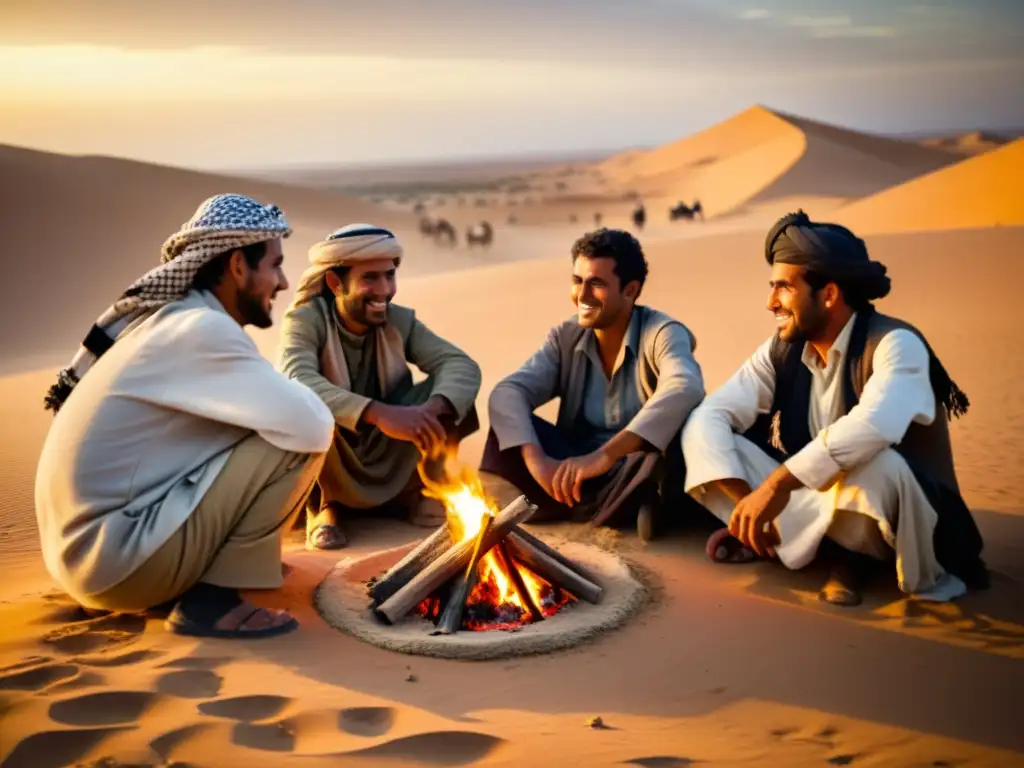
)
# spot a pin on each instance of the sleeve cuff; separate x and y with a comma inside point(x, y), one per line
point(348, 412)
point(814, 466)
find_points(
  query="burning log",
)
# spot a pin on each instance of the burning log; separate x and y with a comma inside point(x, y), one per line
point(448, 564)
point(551, 568)
point(402, 572)
point(529, 538)
point(451, 619)
point(525, 597)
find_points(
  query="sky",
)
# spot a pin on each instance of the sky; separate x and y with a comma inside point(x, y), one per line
point(260, 83)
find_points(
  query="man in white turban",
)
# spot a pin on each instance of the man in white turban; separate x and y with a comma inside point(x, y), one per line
point(344, 339)
point(178, 455)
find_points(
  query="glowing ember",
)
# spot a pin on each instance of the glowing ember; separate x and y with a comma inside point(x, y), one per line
point(494, 602)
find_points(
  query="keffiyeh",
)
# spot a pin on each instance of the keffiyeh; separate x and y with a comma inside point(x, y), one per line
point(221, 223)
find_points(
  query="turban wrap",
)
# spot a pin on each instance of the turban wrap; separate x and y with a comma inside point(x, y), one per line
point(342, 248)
point(221, 224)
point(837, 254)
point(829, 250)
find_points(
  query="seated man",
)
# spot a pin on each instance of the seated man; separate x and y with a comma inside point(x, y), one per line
point(345, 340)
point(855, 406)
point(171, 470)
point(627, 380)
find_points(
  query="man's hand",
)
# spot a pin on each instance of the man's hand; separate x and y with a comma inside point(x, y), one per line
point(540, 466)
point(567, 484)
point(411, 424)
point(752, 515)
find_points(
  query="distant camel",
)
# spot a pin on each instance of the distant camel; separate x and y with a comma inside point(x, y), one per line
point(639, 216)
point(682, 211)
point(482, 234)
point(438, 229)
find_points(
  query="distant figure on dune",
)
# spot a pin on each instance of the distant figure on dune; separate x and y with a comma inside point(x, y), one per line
point(480, 234)
point(855, 405)
point(178, 455)
point(683, 211)
point(573, 218)
point(344, 339)
point(441, 230)
point(512, 219)
point(626, 378)
point(597, 219)
point(639, 216)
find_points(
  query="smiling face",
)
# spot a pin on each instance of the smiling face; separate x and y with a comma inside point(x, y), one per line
point(260, 285)
point(365, 293)
point(800, 312)
point(600, 300)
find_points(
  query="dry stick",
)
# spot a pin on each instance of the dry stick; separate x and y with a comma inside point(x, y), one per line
point(552, 569)
point(525, 596)
point(451, 619)
point(451, 562)
point(402, 572)
point(554, 553)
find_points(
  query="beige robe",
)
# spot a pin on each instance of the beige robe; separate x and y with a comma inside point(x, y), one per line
point(365, 468)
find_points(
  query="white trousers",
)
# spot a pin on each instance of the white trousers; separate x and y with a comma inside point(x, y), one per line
point(878, 509)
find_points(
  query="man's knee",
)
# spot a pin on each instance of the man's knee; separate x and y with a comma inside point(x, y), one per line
point(885, 470)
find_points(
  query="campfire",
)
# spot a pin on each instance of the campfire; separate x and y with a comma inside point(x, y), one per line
point(480, 570)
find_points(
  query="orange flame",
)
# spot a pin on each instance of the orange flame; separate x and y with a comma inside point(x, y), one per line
point(466, 503)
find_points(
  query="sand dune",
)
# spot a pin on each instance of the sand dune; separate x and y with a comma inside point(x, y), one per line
point(970, 143)
point(761, 155)
point(77, 229)
point(982, 191)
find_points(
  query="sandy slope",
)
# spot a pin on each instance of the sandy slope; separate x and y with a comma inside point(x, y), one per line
point(982, 191)
point(729, 666)
point(760, 154)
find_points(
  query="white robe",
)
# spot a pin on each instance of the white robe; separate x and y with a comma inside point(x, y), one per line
point(850, 470)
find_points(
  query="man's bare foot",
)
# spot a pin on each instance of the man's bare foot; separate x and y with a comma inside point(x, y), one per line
point(207, 610)
point(322, 531)
point(843, 587)
point(723, 547)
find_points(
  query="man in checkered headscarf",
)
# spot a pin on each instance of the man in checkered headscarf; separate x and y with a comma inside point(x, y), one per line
point(171, 471)
point(221, 224)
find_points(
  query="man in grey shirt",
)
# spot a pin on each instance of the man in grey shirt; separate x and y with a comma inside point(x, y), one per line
point(627, 381)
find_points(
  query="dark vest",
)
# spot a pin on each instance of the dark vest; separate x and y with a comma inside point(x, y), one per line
point(925, 447)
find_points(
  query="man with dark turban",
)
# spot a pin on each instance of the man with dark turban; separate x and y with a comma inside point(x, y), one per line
point(834, 433)
point(344, 339)
point(178, 455)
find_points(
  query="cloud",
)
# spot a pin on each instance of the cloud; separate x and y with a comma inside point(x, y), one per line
point(833, 32)
point(819, 22)
point(754, 14)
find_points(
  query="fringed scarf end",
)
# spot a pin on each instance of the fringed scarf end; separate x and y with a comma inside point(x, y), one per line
point(956, 401)
point(59, 392)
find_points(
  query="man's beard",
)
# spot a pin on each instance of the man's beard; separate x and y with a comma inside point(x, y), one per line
point(356, 309)
point(250, 306)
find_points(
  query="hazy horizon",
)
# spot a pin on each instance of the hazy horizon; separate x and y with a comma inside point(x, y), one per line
point(243, 85)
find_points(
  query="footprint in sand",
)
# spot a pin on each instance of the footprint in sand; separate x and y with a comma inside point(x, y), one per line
point(270, 737)
point(190, 683)
point(54, 749)
point(246, 708)
point(38, 678)
point(437, 748)
point(366, 721)
point(667, 761)
point(842, 759)
point(107, 708)
point(95, 634)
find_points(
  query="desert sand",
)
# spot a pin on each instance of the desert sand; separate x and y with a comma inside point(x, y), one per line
point(726, 665)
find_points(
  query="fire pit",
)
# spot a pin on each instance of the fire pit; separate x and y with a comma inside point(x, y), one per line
point(480, 586)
